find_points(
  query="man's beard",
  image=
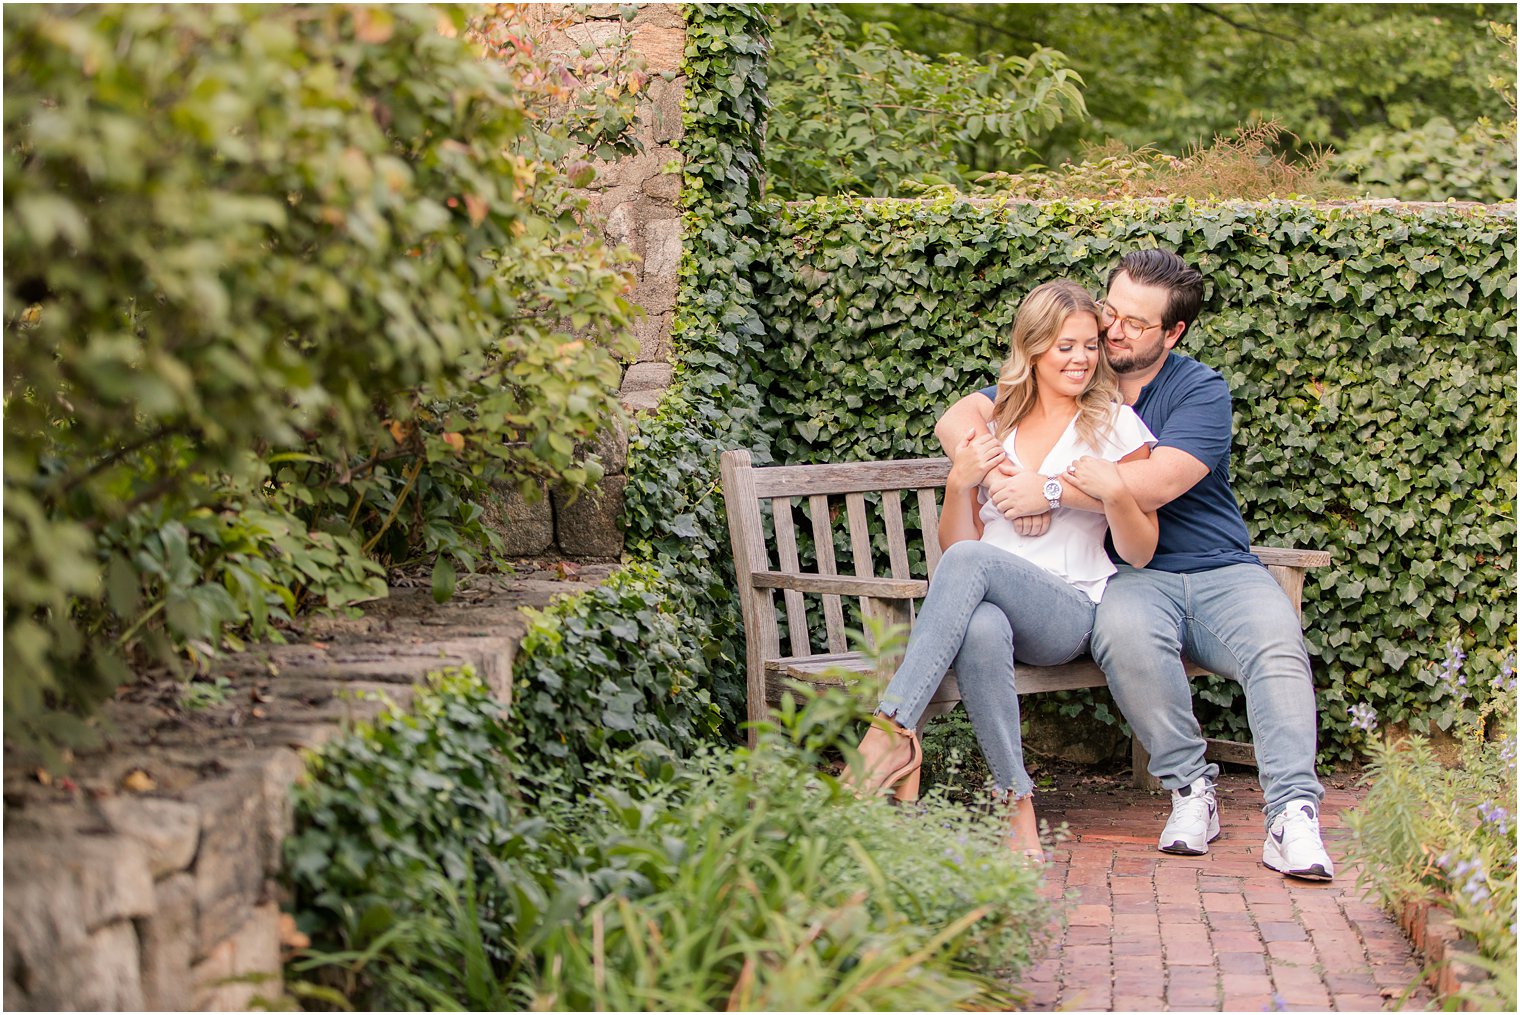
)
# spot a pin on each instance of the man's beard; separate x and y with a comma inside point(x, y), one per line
point(1139, 359)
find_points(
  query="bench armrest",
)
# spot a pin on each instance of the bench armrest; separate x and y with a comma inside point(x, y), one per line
point(843, 585)
point(1291, 556)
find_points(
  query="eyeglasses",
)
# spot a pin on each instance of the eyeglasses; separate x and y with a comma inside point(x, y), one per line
point(1133, 326)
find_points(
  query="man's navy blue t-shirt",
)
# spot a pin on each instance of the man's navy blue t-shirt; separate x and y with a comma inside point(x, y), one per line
point(1187, 407)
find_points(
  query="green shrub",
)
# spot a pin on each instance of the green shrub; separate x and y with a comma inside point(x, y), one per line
point(1434, 162)
point(1370, 352)
point(1427, 830)
point(310, 267)
point(863, 115)
point(744, 879)
point(604, 670)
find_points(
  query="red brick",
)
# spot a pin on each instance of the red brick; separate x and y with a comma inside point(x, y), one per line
point(1086, 935)
point(1275, 931)
point(1218, 902)
point(1297, 952)
point(1090, 916)
point(1086, 957)
point(1241, 962)
point(1237, 941)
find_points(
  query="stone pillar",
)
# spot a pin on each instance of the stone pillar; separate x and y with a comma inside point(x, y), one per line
point(636, 202)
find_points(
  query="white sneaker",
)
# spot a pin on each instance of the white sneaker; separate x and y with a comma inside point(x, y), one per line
point(1194, 822)
point(1293, 845)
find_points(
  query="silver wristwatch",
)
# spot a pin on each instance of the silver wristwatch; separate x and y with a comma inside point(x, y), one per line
point(1052, 492)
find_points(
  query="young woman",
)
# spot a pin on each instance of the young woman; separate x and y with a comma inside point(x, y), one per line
point(998, 595)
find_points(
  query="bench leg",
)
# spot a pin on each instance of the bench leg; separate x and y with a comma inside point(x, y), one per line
point(1140, 763)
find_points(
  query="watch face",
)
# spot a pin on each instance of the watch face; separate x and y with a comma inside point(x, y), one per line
point(1052, 489)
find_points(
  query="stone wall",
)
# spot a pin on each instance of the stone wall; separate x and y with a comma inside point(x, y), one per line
point(147, 878)
point(635, 203)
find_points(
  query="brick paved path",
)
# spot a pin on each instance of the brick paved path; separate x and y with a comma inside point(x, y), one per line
point(1145, 931)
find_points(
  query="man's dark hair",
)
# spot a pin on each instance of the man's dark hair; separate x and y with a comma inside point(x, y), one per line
point(1165, 269)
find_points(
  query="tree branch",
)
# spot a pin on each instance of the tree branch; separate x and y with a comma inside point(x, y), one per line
point(1209, 9)
point(939, 10)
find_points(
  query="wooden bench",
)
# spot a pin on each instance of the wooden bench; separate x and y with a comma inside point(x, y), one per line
point(765, 566)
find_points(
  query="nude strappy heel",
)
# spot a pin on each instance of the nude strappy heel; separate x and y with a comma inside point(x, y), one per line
point(902, 781)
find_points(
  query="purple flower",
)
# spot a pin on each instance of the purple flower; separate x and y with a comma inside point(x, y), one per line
point(1452, 678)
point(1495, 815)
point(1363, 717)
point(1505, 681)
point(1475, 886)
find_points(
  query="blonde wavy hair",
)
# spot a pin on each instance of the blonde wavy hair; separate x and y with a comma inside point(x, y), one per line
point(1036, 327)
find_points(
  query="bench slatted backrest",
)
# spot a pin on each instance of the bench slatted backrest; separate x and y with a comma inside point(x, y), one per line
point(786, 487)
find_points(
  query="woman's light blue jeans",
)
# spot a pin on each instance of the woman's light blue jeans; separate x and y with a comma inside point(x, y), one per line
point(987, 607)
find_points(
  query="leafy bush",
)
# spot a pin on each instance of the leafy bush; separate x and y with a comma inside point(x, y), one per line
point(1370, 352)
point(604, 670)
point(747, 879)
point(288, 289)
point(1429, 831)
point(1434, 162)
point(864, 115)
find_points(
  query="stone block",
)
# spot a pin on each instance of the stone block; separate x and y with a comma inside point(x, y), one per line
point(59, 891)
point(663, 47)
point(654, 332)
point(647, 377)
point(656, 296)
point(662, 248)
point(229, 869)
point(168, 831)
point(664, 187)
point(610, 445)
point(167, 939)
point(100, 973)
point(641, 401)
point(243, 966)
point(661, 113)
point(526, 526)
point(600, 35)
point(282, 768)
point(660, 15)
point(621, 224)
point(630, 171)
point(591, 525)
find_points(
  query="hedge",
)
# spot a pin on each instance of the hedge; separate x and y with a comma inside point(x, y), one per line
point(1370, 350)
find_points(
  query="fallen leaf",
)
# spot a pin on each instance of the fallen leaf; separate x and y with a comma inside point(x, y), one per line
point(290, 934)
point(137, 781)
point(454, 440)
point(43, 776)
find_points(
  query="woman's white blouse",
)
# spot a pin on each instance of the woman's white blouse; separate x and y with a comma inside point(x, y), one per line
point(1072, 548)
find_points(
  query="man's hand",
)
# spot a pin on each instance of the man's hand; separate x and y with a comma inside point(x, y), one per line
point(1017, 492)
point(974, 458)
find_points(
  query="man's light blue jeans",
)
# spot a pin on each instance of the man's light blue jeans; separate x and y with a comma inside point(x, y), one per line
point(1234, 621)
point(985, 608)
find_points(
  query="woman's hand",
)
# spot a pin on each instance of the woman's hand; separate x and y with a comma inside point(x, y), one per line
point(974, 457)
point(1095, 477)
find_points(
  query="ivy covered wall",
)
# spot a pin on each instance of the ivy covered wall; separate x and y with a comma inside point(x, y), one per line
point(1370, 350)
